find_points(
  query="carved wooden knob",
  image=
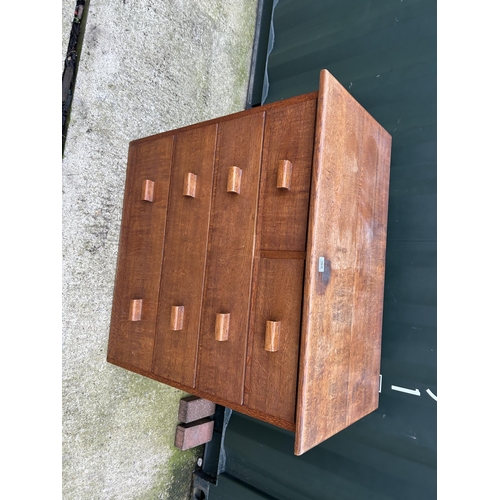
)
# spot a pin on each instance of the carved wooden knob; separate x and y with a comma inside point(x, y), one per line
point(135, 311)
point(222, 327)
point(190, 185)
point(284, 180)
point(177, 318)
point(234, 180)
point(272, 335)
point(148, 189)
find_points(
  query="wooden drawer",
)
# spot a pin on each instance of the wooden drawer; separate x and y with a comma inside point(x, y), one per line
point(184, 261)
point(254, 275)
point(221, 368)
point(286, 177)
point(273, 358)
point(133, 321)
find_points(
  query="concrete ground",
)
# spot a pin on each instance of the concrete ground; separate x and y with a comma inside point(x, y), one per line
point(146, 66)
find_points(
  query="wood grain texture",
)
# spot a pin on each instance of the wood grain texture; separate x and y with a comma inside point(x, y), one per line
point(271, 378)
point(341, 329)
point(281, 254)
point(272, 342)
point(368, 299)
point(289, 134)
point(177, 318)
point(135, 313)
point(284, 177)
point(221, 366)
point(140, 253)
point(234, 180)
point(148, 190)
point(185, 255)
point(222, 326)
point(190, 184)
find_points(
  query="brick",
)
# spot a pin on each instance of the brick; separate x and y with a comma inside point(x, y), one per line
point(188, 436)
point(193, 408)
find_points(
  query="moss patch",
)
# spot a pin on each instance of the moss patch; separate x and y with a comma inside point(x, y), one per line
point(174, 480)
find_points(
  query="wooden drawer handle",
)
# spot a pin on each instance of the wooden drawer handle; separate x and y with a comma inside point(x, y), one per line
point(272, 335)
point(190, 185)
point(222, 327)
point(148, 190)
point(135, 313)
point(284, 175)
point(177, 318)
point(234, 180)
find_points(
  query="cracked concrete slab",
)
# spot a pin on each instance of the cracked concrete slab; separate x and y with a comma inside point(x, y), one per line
point(146, 66)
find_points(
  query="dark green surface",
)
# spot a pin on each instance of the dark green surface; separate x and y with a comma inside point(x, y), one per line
point(261, 49)
point(384, 53)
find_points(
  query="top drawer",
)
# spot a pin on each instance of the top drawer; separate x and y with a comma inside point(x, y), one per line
point(286, 177)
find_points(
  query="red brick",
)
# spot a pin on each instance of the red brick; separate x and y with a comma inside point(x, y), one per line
point(193, 408)
point(194, 434)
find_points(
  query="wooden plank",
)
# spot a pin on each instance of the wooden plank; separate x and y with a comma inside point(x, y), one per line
point(368, 298)
point(281, 254)
point(288, 145)
point(341, 326)
point(271, 377)
point(185, 255)
point(221, 365)
point(131, 340)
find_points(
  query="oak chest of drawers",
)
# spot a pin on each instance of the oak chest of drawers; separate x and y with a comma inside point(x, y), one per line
point(251, 261)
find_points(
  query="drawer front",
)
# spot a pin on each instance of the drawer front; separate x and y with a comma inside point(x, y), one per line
point(271, 377)
point(137, 282)
point(184, 261)
point(286, 176)
point(224, 325)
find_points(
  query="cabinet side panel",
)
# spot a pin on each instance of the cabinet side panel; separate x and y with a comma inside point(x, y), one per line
point(221, 363)
point(341, 330)
point(140, 254)
point(181, 290)
point(271, 377)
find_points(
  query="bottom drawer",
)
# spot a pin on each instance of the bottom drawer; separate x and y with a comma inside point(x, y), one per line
point(273, 351)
